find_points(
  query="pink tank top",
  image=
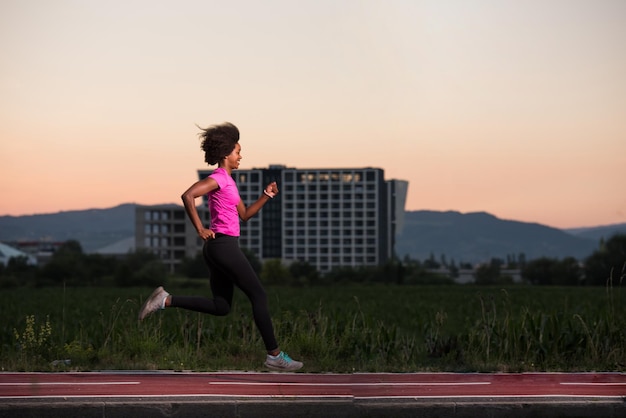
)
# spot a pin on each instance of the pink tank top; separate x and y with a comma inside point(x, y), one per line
point(223, 204)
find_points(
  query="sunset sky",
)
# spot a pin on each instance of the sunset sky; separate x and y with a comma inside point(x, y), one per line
point(512, 107)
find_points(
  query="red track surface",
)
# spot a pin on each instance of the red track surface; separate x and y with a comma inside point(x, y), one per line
point(300, 385)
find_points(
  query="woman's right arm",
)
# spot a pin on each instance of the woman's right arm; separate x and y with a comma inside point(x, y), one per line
point(198, 189)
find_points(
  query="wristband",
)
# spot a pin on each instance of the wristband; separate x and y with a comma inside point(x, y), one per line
point(267, 194)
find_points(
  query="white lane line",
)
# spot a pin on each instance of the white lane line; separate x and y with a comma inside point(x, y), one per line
point(66, 383)
point(350, 384)
point(594, 383)
point(180, 395)
point(618, 398)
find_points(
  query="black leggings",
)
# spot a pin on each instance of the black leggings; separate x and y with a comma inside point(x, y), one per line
point(229, 267)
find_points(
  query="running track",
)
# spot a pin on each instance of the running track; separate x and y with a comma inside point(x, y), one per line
point(410, 388)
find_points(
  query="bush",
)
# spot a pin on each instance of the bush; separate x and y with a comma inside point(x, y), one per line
point(141, 268)
point(194, 268)
point(547, 271)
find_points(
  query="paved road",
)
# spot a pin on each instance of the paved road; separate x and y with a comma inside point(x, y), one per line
point(230, 394)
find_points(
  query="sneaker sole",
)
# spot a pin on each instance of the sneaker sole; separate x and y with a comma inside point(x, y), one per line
point(281, 369)
point(156, 291)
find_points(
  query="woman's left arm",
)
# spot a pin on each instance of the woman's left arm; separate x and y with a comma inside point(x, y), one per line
point(246, 213)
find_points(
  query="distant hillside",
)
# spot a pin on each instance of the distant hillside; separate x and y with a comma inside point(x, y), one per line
point(476, 237)
point(471, 237)
point(599, 232)
point(93, 228)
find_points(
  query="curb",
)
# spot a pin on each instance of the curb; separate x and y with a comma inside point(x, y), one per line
point(316, 407)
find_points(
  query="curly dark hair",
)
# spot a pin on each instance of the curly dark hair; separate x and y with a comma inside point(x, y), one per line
point(218, 141)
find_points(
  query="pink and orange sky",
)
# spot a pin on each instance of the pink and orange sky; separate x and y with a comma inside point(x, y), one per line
point(516, 108)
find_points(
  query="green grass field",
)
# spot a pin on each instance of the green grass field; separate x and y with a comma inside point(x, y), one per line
point(341, 328)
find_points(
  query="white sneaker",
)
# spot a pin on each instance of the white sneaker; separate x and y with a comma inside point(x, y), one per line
point(155, 302)
point(282, 362)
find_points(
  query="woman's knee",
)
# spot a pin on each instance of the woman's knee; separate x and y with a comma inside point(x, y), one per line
point(222, 307)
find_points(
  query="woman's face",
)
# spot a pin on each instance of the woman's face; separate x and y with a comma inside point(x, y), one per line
point(232, 159)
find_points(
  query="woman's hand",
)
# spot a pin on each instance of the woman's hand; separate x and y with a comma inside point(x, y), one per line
point(271, 189)
point(206, 234)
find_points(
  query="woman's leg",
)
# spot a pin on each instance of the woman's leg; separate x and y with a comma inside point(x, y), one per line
point(225, 256)
point(228, 266)
point(221, 287)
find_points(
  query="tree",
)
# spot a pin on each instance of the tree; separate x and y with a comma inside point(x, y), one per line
point(488, 274)
point(274, 272)
point(548, 271)
point(608, 263)
point(392, 271)
point(431, 263)
point(141, 268)
point(568, 272)
point(67, 264)
point(539, 271)
point(194, 268)
point(18, 266)
point(18, 271)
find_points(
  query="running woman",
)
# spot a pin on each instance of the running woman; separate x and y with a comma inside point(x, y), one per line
point(227, 264)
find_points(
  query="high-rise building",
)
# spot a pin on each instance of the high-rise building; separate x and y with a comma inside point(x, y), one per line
point(326, 217)
point(166, 231)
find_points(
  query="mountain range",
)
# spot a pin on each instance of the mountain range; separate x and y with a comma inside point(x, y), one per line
point(479, 236)
point(462, 237)
point(93, 228)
